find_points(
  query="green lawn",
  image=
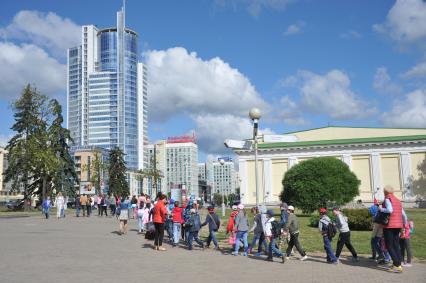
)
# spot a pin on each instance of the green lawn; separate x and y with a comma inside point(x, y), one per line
point(312, 242)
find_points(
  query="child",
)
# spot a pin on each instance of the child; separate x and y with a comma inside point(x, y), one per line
point(140, 217)
point(145, 216)
point(404, 243)
point(46, 207)
point(214, 223)
point(194, 226)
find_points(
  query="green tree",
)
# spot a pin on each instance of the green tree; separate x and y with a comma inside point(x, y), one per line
point(419, 181)
point(117, 173)
point(319, 182)
point(217, 198)
point(24, 147)
point(64, 177)
point(97, 168)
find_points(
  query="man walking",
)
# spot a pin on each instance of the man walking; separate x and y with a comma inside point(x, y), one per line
point(344, 235)
point(77, 205)
point(323, 226)
point(83, 203)
point(292, 225)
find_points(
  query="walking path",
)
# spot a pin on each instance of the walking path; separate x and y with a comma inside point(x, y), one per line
point(33, 249)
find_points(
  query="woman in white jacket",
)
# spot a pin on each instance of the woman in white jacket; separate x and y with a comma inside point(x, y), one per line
point(60, 202)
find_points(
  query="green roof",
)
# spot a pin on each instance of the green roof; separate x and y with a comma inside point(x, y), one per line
point(352, 127)
point(343, 141)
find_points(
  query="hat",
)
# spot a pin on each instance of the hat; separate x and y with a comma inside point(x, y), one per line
point(234, 207)
point(210, 208)
point(172, 201)
point(240, 206)
point(323, 210)
point(270, 212)
point(290, 207)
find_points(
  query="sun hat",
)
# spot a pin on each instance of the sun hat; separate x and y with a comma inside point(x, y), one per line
point(240, 206)
point(234, 207)
point(290, 207)
point(270, 212)
point(323, 210)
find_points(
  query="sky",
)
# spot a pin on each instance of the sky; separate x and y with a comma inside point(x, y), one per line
point(304, 63)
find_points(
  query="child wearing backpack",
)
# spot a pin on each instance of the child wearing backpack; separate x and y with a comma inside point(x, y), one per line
point(271, 233)
point(404, 242)
point(194, 226)
point(327, 230)
point(344, 235)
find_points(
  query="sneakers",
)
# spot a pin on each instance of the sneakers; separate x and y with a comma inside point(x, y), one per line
point(407, 265)
point(395, 269)
point(283, 258)
point(257, 254)
point(287, 257)
point(355, 259)
point(269, 259)
point(304, 258)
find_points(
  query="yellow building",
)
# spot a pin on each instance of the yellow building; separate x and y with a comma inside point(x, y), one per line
point(378, 157)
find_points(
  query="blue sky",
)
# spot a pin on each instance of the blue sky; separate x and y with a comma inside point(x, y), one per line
point(305, 63)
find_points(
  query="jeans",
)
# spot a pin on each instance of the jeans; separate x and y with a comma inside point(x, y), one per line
point(112, 207)
point(241, 235)
point(392, 244)
point(77, 211)
point(328, 249)
point(405, 246)
point(89, 210)
point(159, 234)
point(169, 229)
point(212, 237)
point(104, 209)
point(345, 239)
point(273, 248)
point(194, 236)
point(376, 243)
point(140, 224)
point(261, 238)
point(294, 242)
point(176, 232)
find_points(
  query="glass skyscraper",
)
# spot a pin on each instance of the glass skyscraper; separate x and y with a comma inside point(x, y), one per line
point(107, 92)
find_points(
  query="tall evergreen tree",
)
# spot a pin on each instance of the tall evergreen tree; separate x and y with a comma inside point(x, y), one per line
point(117, 173)
point(64, 177)
point(30, 114)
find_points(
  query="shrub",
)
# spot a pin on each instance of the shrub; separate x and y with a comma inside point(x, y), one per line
point(319, 182)
point(358, 219)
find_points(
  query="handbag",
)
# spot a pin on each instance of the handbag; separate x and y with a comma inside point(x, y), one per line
point(382, 218)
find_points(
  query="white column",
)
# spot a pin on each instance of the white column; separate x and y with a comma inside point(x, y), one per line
point(292, 161)
point(347, 158)
point(405, 172)
point(242, 165)
point(267, 179)
point(376, 176)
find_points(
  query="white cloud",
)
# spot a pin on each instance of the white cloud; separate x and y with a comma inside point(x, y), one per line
point(409, 112)
point(294, 28)
point(405, 22)
point(289, 112)
point(4, 139)
point(383, 83)
point(418, 71)
point(181, 82)
point(331, 94)
point(212, 130)
point(44, 29)
point(27, 63)
point(351, 34)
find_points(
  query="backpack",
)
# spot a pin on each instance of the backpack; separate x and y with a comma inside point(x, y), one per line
point(276, 228)
point(331, 230)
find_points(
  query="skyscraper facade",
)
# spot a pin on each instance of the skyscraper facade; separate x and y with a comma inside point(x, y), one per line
point(107, 91)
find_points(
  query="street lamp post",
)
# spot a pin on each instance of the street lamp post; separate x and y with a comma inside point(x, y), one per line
point(255, 115)
point(222, 162)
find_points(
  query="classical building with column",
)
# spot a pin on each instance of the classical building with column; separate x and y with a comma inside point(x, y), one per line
point(378, 157)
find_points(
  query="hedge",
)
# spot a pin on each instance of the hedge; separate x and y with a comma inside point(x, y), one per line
point(358, 219)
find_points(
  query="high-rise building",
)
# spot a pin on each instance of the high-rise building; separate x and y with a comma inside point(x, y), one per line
point(224, 177)
point(177, 159)
point(107, 91)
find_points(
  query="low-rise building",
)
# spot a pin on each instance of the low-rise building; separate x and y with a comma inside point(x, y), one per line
point(377, 156)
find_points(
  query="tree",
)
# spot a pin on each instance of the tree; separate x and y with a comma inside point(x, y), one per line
point(97, 167)
point(117, 173)
point(319, 182)
point(217, 198)
point(419, 181)
point(24, 147)
point(64, 177)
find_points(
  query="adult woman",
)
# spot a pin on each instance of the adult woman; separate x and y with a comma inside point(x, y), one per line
point(241, 227)
point(60, 202)
point(160, 212)
point(124, 214)
point(397, 219)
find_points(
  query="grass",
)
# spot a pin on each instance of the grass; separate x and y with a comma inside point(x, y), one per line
point(312, 242)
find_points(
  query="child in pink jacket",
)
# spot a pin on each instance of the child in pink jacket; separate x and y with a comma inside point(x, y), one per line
point(404, 243)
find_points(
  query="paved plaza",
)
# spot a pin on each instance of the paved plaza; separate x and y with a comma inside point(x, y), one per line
point(33, 249)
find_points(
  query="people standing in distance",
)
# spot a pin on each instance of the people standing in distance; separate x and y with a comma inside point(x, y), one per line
point(60, 202)
point(46, 205)
point(77, 205)
point(83, 202)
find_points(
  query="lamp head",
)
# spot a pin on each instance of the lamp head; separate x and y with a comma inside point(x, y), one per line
point(255, 114)
point(221, 161)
